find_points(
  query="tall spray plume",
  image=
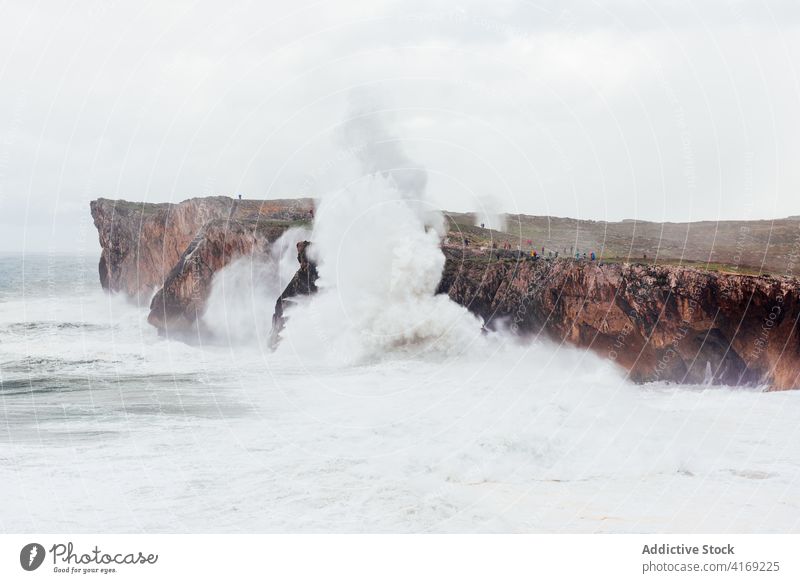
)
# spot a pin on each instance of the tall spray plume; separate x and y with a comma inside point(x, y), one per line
point(376, 241)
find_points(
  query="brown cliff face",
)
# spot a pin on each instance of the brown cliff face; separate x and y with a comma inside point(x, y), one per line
point(141, 242)
point(177, 307)
point(665, 323)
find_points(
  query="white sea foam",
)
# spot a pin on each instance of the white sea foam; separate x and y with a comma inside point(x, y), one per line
point(379, 261)
point(377, 245)
point(133, 432)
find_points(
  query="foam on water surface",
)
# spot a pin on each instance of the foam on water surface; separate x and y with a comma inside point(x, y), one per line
point(106, 427)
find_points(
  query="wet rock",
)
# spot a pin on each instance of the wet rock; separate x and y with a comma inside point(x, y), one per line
point(666, 323)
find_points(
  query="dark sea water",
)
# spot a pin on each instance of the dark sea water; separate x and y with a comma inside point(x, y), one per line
point(106, 427)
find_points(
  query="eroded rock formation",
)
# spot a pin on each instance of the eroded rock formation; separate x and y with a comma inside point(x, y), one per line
point(665, 323)
point(662, 322)
point(142, 242)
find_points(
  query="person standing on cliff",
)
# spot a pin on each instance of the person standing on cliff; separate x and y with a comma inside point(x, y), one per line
point(240, 197)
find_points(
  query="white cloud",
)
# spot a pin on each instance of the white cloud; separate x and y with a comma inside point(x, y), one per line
point(658, 110)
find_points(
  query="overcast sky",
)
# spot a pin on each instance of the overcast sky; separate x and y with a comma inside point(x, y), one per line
point(657, 110)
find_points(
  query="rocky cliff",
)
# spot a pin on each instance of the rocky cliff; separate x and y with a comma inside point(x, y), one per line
point(142, 242)
point(666, 323)
point(660, 323)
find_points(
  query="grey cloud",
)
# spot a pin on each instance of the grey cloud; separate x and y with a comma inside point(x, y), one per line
point(657, 110)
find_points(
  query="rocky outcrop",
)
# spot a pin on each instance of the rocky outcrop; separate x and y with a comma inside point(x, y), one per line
point(665, 323)
point(303, 283)
point(142, 242)
point(177, 307)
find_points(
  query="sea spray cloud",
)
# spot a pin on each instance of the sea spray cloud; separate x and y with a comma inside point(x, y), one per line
point(380, 153)
point(384, 154)
point(377, 245)
point(379, 268)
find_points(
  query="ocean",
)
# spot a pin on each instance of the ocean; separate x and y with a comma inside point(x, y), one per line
point(105, 427)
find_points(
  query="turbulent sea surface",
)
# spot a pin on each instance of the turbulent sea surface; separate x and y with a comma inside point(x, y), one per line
point(105, 427)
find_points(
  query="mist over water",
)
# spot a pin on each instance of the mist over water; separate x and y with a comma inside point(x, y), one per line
point(104, 426)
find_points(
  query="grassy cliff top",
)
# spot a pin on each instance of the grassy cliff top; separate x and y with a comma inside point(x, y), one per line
point(745, 247)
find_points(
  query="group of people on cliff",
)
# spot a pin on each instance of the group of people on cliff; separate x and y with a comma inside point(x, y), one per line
point(530, 250)
point(549, 253)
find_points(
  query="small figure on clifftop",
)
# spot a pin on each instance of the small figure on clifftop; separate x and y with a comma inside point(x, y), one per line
point(593, 255)
point(482, 227)
point(240, 197)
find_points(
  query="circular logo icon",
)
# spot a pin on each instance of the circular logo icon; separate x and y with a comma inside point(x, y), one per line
point(31, 556)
